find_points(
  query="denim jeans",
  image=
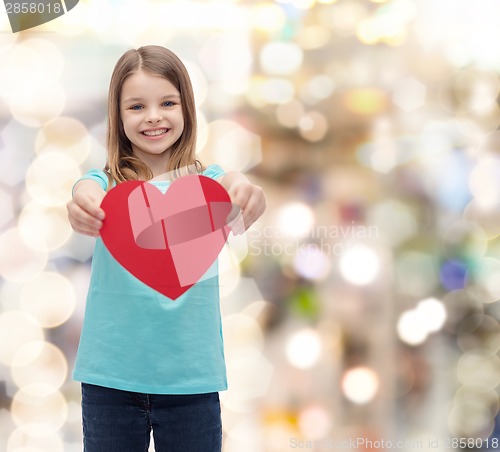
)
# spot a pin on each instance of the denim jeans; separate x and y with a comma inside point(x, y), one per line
point(122, 421)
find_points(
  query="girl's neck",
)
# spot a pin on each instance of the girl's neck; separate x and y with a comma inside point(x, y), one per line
point(159, 177)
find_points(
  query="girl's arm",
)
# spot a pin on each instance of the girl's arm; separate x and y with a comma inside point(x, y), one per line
point(84, 211)
point(249, 197)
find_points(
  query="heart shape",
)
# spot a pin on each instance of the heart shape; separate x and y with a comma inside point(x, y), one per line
point(168, 241)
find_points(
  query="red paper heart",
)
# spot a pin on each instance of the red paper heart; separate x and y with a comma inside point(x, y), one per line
point(168, 241)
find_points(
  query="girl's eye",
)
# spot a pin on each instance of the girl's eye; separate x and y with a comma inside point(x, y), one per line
point(136, 107)
point(168, 103)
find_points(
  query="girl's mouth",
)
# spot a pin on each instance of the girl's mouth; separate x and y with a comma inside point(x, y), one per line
point(155, 133)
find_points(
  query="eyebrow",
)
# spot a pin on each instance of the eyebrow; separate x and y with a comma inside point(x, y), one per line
point(139, 99)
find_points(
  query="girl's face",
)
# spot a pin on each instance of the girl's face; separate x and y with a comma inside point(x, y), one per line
point(151, 113)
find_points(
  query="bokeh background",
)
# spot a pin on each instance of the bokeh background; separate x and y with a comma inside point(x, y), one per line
point(364, 315)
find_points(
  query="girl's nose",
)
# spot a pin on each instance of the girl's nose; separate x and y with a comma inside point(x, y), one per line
point(153, 116)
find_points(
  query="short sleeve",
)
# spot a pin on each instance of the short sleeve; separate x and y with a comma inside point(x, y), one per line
point(96, 175)
point(214, 171)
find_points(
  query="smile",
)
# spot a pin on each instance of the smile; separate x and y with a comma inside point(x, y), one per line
point(154, 133)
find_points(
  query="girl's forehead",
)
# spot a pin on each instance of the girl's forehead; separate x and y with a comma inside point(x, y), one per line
point(147, 81)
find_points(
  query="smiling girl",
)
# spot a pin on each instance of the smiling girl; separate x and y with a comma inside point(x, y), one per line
point(148, 363)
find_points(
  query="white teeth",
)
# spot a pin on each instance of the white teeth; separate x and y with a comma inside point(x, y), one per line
point(153, 133)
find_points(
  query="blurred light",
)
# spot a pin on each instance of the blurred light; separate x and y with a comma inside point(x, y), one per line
point(50, 178)
point(295, 219)
point(229, 278)
point(98, 17)
point(479, 330)
point(44, 228)
point(39, 362)
point(268, 17)
point(483, 275)
point(479, 367)
point(365, 101)
point(289, 114)
point(249, 371)
point(436, 139)
point(488, 398)
point(359, 265)
point(487, 219)
point(41, 406)
point(236, 146)
point(314, 422)
point(281, 58)
point(202, 131)
point(66, 135)
point(417, 273)
point(16, 153)
point(256, 309)
point(383, 153)
point(271, 91)
point(471, 89)
point(304, 348)
point(412, 327)
point(227, 58)
point(37, 108)
point(471, 420)
point(209, 17)
point(360, 384)
point(19, 262)
point(16, 330)
point(311, 263)
point(6, 208)
point(344, 17)
point(318, 88)
point(245, 333)
point(395, 220)
point(367, 31)
point(313, 126)
point(461, 303)
point(313, 37)
point(464, 240)
point(198, 81)
point(240, 434)
point(484, 182)
point(235, 250)
point(434, 313)
point(453, 192)
point(452, 274)
point(49, 298)
point(79, 247)
point(32, 438)
point(30, 67)
point(473, 411)
point(388, 24)
point(409, 94)
point(302, 4)
point(132, 21)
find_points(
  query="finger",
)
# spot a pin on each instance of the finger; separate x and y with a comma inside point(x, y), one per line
point(82, 220)
point(237, 225)
point(91, 206)
point(253, 210)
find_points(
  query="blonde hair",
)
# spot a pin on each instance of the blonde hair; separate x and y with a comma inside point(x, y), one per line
point(122, 164)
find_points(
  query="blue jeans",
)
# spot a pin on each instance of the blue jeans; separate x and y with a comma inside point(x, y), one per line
point(121, 421)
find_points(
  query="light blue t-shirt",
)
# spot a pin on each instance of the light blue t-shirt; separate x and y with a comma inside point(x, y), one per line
point(135, 339)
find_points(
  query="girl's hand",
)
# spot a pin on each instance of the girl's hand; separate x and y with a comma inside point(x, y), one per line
point(249, 197)
point(84, 211)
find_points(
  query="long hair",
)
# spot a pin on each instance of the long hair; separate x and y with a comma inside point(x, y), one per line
point(122, 164)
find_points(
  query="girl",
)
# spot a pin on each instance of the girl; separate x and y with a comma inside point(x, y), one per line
point(147, 363)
